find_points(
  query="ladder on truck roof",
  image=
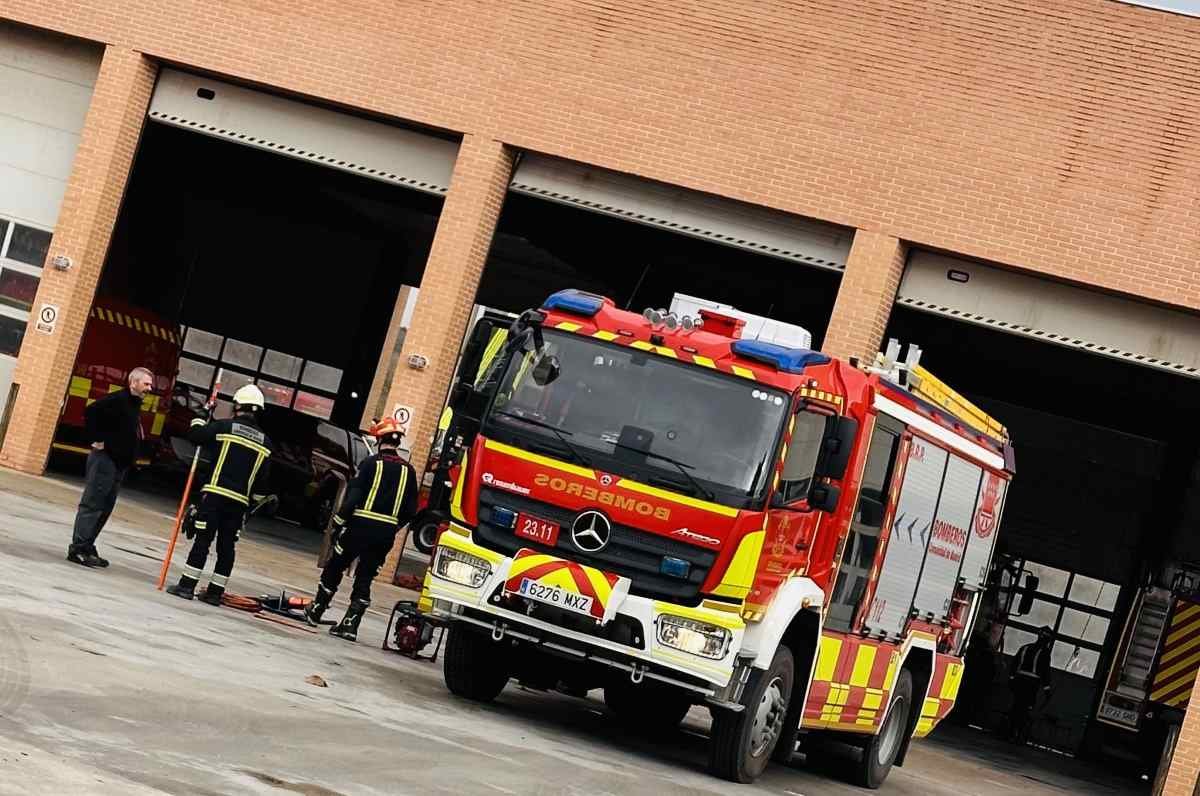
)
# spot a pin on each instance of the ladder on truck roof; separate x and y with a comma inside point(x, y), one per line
point(920, 382)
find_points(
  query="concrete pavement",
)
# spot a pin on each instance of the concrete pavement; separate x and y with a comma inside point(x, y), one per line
point(107, 686)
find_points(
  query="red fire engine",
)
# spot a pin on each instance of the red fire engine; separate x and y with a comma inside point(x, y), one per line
point(119, 337)
point(654, 506)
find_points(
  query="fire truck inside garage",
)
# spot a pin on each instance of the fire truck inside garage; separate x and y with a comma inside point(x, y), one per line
point(1099, 532)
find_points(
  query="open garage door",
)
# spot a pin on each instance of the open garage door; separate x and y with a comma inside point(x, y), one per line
point(45, 89)
point(726, 221)
point(1057, 313)
point(307, 132)
point(1099, 392)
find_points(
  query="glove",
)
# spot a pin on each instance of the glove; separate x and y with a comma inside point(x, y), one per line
point(189, 522)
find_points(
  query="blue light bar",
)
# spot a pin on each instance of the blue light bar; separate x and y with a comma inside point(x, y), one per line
point(575, 302)
point(505, 518)
point(788, 360)
point(674, 567)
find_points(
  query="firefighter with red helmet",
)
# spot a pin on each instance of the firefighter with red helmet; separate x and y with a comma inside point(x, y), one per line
point(380, 500)
point(238, 450)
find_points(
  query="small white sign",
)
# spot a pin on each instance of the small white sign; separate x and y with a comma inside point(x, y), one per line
point(403, 415)
point(47, 318)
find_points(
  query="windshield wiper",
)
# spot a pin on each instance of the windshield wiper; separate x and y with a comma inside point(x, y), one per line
point(683, 468)
point(558, 432)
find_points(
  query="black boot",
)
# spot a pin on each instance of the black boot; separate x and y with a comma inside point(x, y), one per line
point(185, 588)
point(315, 609)
point(83, 557)
point(97, 561)
point(213, 594)
point(348, 627)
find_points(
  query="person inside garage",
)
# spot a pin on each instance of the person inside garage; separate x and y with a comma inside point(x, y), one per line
point(1030, 678)
point(239, 451)
point(381, 499)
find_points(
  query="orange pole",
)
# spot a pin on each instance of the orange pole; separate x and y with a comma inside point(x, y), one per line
point(187, 491)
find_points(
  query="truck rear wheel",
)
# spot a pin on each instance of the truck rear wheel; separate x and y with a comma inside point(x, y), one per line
point(648, 706)
point(880, 751)
point(742, 743)
point(475, 666)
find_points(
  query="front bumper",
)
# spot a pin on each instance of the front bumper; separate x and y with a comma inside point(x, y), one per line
point(639, 653)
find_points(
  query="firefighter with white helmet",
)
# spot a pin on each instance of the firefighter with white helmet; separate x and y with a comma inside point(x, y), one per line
point(380, 500)
point(238, 450)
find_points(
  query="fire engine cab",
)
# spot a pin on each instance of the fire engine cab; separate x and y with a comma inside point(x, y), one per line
point(670, 510)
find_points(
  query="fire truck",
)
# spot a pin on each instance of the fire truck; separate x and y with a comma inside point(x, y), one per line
point(120, 337)
point(681, 514)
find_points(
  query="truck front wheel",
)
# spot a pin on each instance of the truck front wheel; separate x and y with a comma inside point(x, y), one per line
point(742, 743)
point(880, 751)
point(476, 667)
point(648, 706)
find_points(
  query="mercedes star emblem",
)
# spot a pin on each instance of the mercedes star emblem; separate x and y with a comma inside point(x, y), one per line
point(591, 531)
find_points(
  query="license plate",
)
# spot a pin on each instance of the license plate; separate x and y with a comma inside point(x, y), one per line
point(556, 596)
point(537, 529)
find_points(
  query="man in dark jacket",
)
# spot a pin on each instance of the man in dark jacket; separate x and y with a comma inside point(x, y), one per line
point(1030, 678)
point(239, 451)
point(114, 428)
point(380, 500)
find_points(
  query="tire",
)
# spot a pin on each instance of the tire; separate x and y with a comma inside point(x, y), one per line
point(425, 535)
point(476, 667)
point(880, 751)
point(743, 743)
point(647, 707)
point(785, 748)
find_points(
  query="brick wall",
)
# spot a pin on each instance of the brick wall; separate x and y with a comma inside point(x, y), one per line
point(89, 210)
point(866, 295)
point(1054, 135)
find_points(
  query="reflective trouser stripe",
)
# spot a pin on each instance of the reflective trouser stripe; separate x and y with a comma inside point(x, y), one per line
point(218, 580)
point(192, 572)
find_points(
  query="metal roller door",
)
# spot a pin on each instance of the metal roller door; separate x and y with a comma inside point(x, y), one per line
point(295, 129)
point(1065, 315)
point(687, 212)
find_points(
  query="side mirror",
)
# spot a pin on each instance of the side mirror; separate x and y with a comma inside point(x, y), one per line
point(825, 497)
point(1031, 585)
point(836, 448)
point(870, 511)
point(546, 370)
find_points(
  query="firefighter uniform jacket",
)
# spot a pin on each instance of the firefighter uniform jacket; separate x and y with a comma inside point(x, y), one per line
point(238, 450)
point(1032, 662)
point(383, 491)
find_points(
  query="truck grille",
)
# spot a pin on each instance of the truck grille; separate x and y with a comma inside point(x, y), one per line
point(633, 553)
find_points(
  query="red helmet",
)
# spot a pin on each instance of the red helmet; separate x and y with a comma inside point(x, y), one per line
point(387, 430)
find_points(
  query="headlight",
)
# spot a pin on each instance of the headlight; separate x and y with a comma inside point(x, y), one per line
point(461, 568)
point(697, 638)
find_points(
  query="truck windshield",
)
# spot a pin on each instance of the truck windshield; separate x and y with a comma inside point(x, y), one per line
point(722, 429)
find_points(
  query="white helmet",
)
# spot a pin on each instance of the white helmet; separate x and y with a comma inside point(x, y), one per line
point(249, 395)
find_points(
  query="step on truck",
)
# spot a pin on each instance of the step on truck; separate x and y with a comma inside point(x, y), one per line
point(671, 511)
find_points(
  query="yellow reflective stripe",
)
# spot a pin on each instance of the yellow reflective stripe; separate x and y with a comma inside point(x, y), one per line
point(62, 446)
point(567, 326)
point(827, 658)
point(216, 476)
point(229, 493)
point(705, 361)
point(456, 497)
point(864, 661)
point(954, 675)
point(641, 345)
point(374, 515)
point(545, 461)
point(369, 503)
point(525, 563)
point(80, 387)
point(245, 443)
point(608, 337)
point(495, 343)
point(254, 471)
point(739, 576)
point(400, 492)
point(745, 373)
point(703, 505)
point(159, 421)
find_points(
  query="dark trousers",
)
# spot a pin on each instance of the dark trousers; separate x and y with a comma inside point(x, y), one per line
point(366, 541)
point(1025, 692)
point(99, 497)
point(221, 519)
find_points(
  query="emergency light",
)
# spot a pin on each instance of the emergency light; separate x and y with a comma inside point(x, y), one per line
point(576, 302)
point(782, 358)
